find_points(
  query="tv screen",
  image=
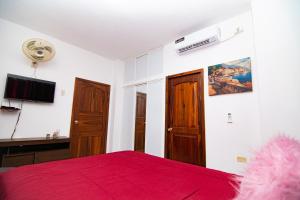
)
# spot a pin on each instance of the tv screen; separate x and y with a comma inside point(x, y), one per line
point(29, 89)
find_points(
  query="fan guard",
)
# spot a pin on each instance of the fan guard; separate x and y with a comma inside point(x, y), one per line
point(38, 50)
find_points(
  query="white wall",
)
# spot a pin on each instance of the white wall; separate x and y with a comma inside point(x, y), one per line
point(277, 41)
point(116, 109)
point(127, 137)
point(223, 141)
point(155, 127)
point(38, 119)
point(271, 39)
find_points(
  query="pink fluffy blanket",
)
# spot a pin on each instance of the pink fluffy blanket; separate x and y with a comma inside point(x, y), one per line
point(274, 172)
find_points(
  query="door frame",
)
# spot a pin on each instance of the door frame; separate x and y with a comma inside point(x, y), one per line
point(73, 107)
point(201, 114)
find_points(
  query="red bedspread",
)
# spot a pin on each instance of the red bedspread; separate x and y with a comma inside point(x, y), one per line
point(116, 176)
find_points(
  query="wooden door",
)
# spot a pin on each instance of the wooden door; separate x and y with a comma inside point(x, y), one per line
point(140, 122)
point(89, 118)
point(185, 131)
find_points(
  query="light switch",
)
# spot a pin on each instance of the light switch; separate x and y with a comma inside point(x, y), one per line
point(229, 118)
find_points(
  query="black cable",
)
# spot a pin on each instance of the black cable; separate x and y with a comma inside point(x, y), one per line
point(16, 125)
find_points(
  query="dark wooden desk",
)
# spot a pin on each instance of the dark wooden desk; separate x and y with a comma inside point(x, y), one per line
point(24, 151)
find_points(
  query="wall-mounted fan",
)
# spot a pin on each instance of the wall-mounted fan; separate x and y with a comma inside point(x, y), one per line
point(38, 50)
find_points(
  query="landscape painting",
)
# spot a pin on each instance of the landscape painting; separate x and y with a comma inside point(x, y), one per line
point(231, 77)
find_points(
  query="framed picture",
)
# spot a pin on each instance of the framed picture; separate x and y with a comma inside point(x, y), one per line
point(230, 77)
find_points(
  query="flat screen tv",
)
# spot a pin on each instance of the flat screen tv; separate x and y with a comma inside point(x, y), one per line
point(29, 89)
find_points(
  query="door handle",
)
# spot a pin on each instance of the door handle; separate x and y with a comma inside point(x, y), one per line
point(76, 122)
point(170, 129)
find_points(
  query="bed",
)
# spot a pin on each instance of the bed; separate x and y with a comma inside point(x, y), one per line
point(125, 175)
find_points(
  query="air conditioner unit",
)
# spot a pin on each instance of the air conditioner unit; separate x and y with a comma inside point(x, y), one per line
point(197, 40)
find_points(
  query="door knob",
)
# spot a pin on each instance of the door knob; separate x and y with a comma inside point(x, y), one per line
point(170, 129)
point(76, 122)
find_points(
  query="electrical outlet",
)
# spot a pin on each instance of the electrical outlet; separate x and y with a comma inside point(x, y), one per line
point(241, 159)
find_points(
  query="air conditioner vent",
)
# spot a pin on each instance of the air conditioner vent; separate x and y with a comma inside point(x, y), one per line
point(196, 40)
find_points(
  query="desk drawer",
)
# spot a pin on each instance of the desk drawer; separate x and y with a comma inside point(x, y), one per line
point(15, 160)
point(46, 156)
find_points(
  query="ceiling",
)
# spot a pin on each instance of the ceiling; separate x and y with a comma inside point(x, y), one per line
point(119, 28)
